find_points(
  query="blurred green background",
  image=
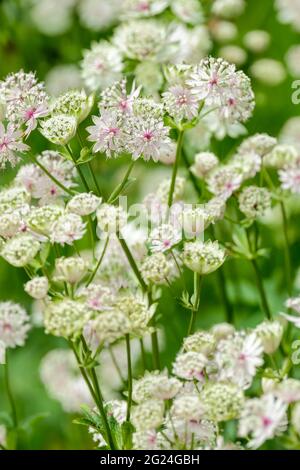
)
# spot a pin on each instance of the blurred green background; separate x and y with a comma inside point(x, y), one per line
point(22, 46)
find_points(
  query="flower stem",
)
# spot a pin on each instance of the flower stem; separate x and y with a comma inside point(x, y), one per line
point(261, 289)
point(92, 276)
point(99, 192)
point(196, 302)
point(287, 258)
point(143, 355)
point(121, 186)
point(82, 177)
point(10, 394)
point(96, 394)
point(175, 167)
point(154, 338)
point(56, 181)
point(129, 370)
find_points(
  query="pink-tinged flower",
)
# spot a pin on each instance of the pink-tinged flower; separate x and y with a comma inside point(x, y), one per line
point(31, 116)
point(262, 419)
point(224, 181)
point(107, 133)
point(147, 137)
point(164, 237)
point(10, 143)
point(210, 80)
point(116, 97)
point(290, 179)
point(181, 103)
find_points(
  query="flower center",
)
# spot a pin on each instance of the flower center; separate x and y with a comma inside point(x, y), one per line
point(148, 135)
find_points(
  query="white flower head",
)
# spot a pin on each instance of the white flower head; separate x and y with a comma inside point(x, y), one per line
point(37, 287)
point(164, 238)
point(67, 229)
point(190, 365)
point(107, 132)
point(83, 204)
point(10, 145)
point(203, 257)
point(14, 324)
point(59, 129)
point(20, 250)
point(71, 269)
point(262, 419)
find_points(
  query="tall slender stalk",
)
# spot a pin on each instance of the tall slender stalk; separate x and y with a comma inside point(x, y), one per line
point(196, 302)
point(287, 257)
point(261, 289)
point(96, 395)
point(121, 186)
point(175, 168)
point(98, 189)
point(82, 177)
point(129, 371)
point(93, 274)
point(9, 392)
point(154, 338)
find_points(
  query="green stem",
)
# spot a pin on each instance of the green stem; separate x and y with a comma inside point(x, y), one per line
point(196, 302)
point(82, 177)
point(92, 276)
point(115, 363)
point(261, 289)
point(191, 174)
point(9, 392)
point(154, 338)
point(175, 167)
point(56, 181)
point(121, 186)
point(132, 263)
point(99, 192)
point(143, 354)
point(287, 258)
point(129, 370)
point(96, 395)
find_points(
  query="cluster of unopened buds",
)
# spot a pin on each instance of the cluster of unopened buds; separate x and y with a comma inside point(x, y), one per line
point(99, 271)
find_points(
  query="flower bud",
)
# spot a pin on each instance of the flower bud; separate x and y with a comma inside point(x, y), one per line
point(37, 287)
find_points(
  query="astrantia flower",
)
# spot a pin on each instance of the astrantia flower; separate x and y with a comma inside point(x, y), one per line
point(237, 359)
point(20, 250)
point(190, 365)
point(148, 415)
point(143, 8)
point(262, 419)
point(155, 385)
point(211, 79)
point(98, 15)
point(288, 391)
point(117, 98)
point(59, 129)
point(289, 12)
point(261, 144)
point(10, 223)
point(73, 103)
point(14, 324)
point(224, 180)
point(281, 156)
point(164, 189)
point(106, 328)
point(164, 238)
point(41, 219)
point(83, 204)
point(156, 269)
point(228, 8)
point(204, 163)
point(270, 335)
point(201, 342)
point(10, 144)
point(146, 137)
point(101, 65)
point(188, 407)
point(97, 297)
point(195, 221)
point(290, 178)
point(203, 257)
point(66, 318)
point(25, 99)
point(189, 11)
point(2, 361)
point(13, 198)
point(138, 311)
point(71, 269)
point(107, 133)
point(141, 39)
point(67, 229)
point(246, 165)
point(37, 287)
point(222, 401)
point(180, 103)
point(254, 201)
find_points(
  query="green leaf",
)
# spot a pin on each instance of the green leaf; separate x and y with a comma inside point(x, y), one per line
point(127, 430)
point(86, 155)
point(32, 420)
